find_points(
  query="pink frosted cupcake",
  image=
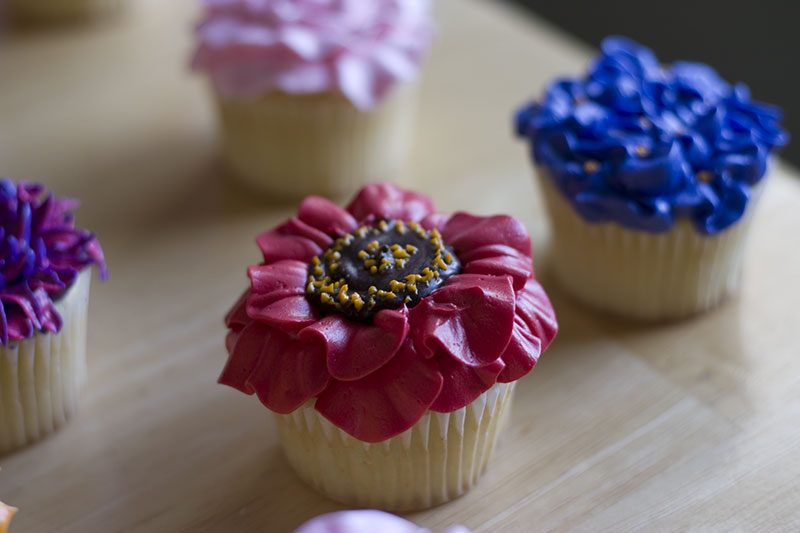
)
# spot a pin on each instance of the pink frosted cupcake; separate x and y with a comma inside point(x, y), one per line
point(387, 338)
point(44, 297)
point(366, 521)
point(314, 96)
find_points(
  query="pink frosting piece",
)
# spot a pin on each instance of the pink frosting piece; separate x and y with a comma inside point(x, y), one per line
point(358, 48)
point(488, 324)
point(366, 521)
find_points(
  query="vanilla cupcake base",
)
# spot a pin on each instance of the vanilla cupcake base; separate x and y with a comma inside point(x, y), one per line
point(54, 10)
point(41, 377)
point(438, 459)
point(643, 275)
point(289, 146)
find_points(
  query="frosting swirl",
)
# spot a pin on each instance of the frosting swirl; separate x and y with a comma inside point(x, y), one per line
point(41, 253)
point(366, 521)
point(359, 49)
point(641, 144)
point(484, 320)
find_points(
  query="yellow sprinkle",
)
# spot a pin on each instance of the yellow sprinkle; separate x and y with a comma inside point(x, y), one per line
point(591, 166)
point(361, 231)
point(386, 294)
point(408, 299)
point(374, 245)
point(438, 263)
point(315, 260)
point(343, 296)
point(413, 225)
point(400, 227)
point(394, 247)
point(334, 266)
point(642, 151)
point(325, 298)
point(318, 270)
point(410, 248)
point(362, 254)
point(396, 285)
point(448, 258)
point(401, 263)
point(319, 283)
point(369, 263)
point(356, 300)
point(373, 269)
point(372, 289)
point(383, 225)
point(400, 254)
point(327, 289)
point(435, 274)
point(435, 234)
point(412, 287)
point(310, 287)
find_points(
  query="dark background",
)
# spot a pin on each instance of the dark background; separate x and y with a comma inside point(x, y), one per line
point(757, 42)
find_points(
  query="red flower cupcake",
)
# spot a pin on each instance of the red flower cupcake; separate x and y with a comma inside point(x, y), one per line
point(387, 338)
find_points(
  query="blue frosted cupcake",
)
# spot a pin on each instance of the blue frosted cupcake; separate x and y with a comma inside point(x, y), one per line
point(649, 175)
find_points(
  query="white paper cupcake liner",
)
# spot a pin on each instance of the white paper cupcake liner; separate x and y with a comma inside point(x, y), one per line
point(438, 459)
point(41, 377)
point(650, 276)
point(294, 145)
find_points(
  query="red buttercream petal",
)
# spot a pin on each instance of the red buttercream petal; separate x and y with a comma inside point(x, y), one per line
point(435, 221)
point(288, 373)
point(499, 260)
point(277, 296)
point(237, 316)
point(465, 232)
point(326, 216)
point(535, 327)
point(355, 350)
point(462, 384)
point(471, 318)
point(386, 402)
point(384, 200)
point(292, 240)
point(244, 351)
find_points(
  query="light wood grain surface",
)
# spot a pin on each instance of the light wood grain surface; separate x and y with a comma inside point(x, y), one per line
point(692, 425)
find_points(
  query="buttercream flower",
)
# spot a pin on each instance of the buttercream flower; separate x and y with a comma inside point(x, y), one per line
point(41, 254)
point(361, 49)
point(365, 521)
point(641, 144)
point(385, 310)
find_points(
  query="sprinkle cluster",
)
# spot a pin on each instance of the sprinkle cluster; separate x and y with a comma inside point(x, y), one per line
point(380, 267)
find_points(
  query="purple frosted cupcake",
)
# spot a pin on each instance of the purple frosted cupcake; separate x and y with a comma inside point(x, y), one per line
point(366, 521)
point(44, 290)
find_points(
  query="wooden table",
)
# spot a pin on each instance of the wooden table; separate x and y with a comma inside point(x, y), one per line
point(620, 427)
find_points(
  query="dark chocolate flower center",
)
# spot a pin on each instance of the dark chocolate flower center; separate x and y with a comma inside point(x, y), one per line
point(380, 267)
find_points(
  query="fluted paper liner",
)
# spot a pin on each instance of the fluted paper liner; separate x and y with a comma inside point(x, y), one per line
point(295, 145)
point(438, 459)
point(41, 377)
point(644, 275)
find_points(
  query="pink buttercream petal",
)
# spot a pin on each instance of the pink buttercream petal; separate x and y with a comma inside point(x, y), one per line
point(282, 372)
point(326, 216)
point(470, 318)
point(386, 402)
point(463, 384)
point(237, 315)
point(535, 327)
point(384, 200)
point(435, 221)
point(466, 232)
point(277, 296)
point(292, 240)
point(355, 350)
point(244, 352)
point(498, 260)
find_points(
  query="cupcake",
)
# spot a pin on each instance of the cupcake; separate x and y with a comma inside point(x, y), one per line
point(649, 174)
point(387, 339)
point(44, 292)
point(7, 513)
point(365, 521)
point(314, 96)
point(56, 10)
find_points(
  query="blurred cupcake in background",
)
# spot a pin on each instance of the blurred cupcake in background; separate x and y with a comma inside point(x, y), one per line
point(365, 521)
point(6, 514)
point(44, 297)
point(314, 96)
point(58, 10)
point(650, 174)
